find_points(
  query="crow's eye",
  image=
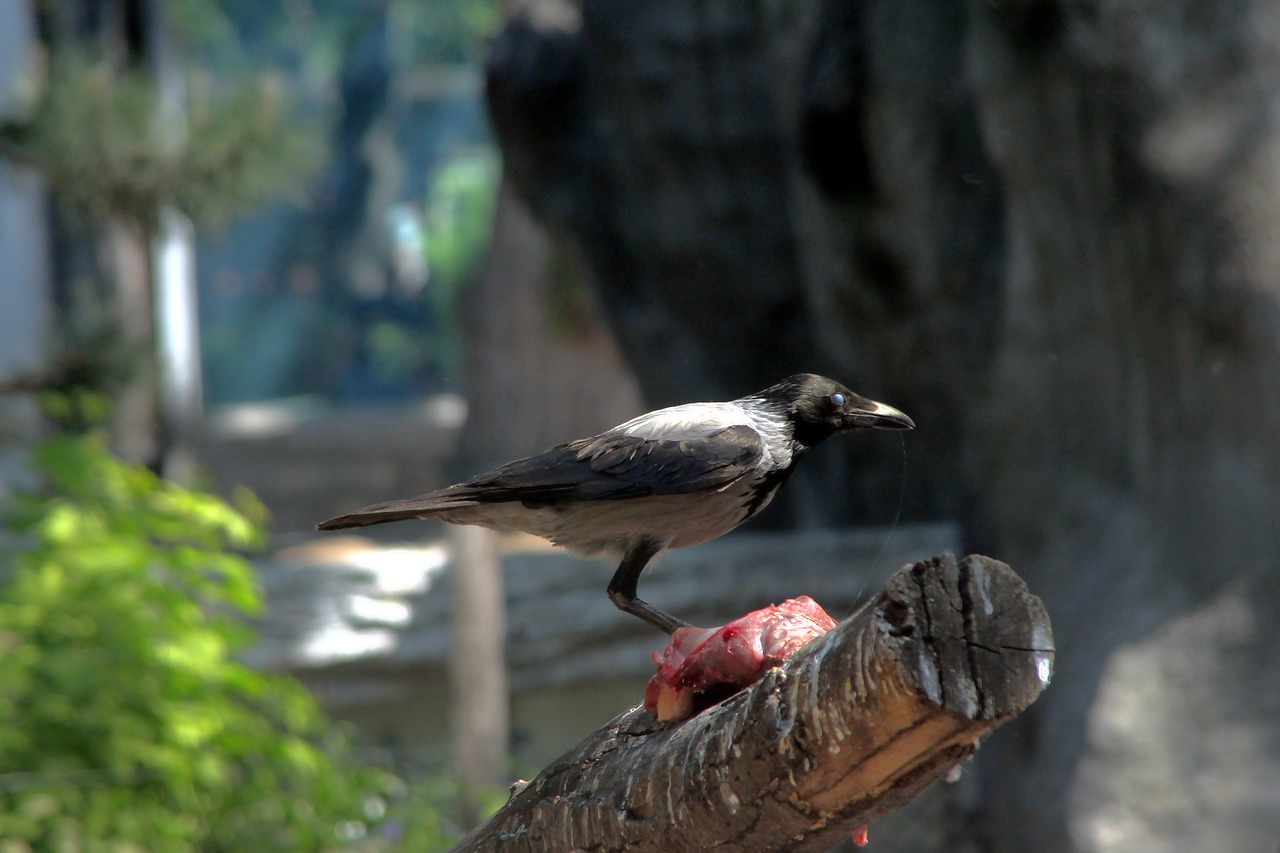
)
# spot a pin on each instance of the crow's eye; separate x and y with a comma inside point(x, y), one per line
point(837, 398)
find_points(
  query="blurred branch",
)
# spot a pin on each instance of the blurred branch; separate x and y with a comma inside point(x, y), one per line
point(97, 135)
point(854, 726)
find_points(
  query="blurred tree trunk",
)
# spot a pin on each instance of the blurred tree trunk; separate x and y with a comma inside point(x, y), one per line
point(1044, 228)
point(133, 266)
point(128, 266)
point(478, 672)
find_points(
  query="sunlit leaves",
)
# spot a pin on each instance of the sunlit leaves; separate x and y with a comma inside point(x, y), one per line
point(126, 721)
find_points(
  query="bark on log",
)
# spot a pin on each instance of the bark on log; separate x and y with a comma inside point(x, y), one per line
point(855, 725)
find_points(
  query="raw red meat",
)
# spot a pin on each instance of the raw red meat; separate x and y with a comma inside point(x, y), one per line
point(701, 666)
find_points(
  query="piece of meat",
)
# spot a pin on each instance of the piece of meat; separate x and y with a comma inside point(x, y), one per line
point(701, 666)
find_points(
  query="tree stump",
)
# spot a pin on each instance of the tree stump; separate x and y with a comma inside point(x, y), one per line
point(853, 726)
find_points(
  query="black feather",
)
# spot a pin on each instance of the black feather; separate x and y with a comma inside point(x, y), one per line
point(611, 466)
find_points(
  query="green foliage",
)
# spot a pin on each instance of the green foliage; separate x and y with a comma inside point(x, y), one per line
point(312, 36)
point(459, 220)
point(426, 814)
point(457, 223)
point(446, 31)
point(90, 363)
point(398, 352)
point(103, 141)
point(126, 722)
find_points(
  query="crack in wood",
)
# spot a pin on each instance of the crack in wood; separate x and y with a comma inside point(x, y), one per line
point(927, 636)
point(964, 584)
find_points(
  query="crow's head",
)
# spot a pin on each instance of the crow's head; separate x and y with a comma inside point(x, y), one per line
point(818, 407)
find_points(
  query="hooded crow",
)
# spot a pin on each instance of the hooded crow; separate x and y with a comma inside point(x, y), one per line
point(671, 478)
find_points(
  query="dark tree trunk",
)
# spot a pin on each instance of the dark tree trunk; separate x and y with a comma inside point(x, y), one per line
point(1045, 229)
point(1138, 370)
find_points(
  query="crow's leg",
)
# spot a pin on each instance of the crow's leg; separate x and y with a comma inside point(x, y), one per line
point(622, 589)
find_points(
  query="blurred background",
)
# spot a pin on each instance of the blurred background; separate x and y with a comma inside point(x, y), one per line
point(266, 262)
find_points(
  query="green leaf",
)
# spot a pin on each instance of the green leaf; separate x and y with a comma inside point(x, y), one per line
point(122, 706)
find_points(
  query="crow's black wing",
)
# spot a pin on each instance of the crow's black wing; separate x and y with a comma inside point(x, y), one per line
point(611, 466)
point(614, 466)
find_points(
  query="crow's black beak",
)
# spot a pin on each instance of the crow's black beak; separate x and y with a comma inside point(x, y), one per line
point(868, 414)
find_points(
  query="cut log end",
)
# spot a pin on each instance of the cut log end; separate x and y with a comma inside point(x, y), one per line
point(853, 726)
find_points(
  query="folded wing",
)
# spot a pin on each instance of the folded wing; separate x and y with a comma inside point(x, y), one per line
point(611, 466)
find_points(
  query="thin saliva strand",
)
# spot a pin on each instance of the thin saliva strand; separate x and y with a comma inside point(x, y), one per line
point(893, 526)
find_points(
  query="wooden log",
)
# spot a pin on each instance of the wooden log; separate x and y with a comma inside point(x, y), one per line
point(856, 724)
